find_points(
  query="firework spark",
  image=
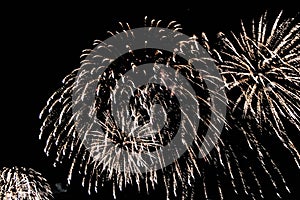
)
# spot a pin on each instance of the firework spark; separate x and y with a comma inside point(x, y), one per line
point(260, 68)
point(139, 134)
point(23, 183)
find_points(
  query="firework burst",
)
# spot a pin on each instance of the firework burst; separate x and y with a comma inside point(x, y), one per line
point(264, 67)
point(23, 183)
point(260, 68)
point(116, 154)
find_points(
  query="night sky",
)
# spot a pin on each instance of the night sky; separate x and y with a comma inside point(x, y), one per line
point(42, 43)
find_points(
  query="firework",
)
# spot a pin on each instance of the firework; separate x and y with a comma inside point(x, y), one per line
point(122, 151)
point(260, 68)
point(264, 67)
point(23, 183)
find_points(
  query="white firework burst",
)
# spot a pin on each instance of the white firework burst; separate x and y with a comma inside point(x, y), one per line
point(264, 66)
point(261, 71)
point(20, 183)
point(105, 163)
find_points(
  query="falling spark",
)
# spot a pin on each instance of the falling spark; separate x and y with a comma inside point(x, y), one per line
point(19, 183)
point(64, 142)
point(260, 68)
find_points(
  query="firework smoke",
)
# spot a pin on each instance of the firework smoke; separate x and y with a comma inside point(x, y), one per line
point(19, 183)
point(137, 133)
point(260, 68)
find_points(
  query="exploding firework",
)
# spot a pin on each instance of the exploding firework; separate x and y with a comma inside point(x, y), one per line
point(264, 67)
point(123, 151)
point(23, 183)
point(260, 68)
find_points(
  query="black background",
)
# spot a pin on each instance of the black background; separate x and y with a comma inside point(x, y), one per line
point(42, 43)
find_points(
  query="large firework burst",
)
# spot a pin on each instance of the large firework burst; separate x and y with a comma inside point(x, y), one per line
point(260, 67)
point(17, 183)
point(103, 161)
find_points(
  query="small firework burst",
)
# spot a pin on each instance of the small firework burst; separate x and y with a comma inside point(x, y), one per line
point(260, 68)
point(264, 68)
point(19, 183)
point(104, 160)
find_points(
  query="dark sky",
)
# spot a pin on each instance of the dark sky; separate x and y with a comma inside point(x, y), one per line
point(41, 43)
